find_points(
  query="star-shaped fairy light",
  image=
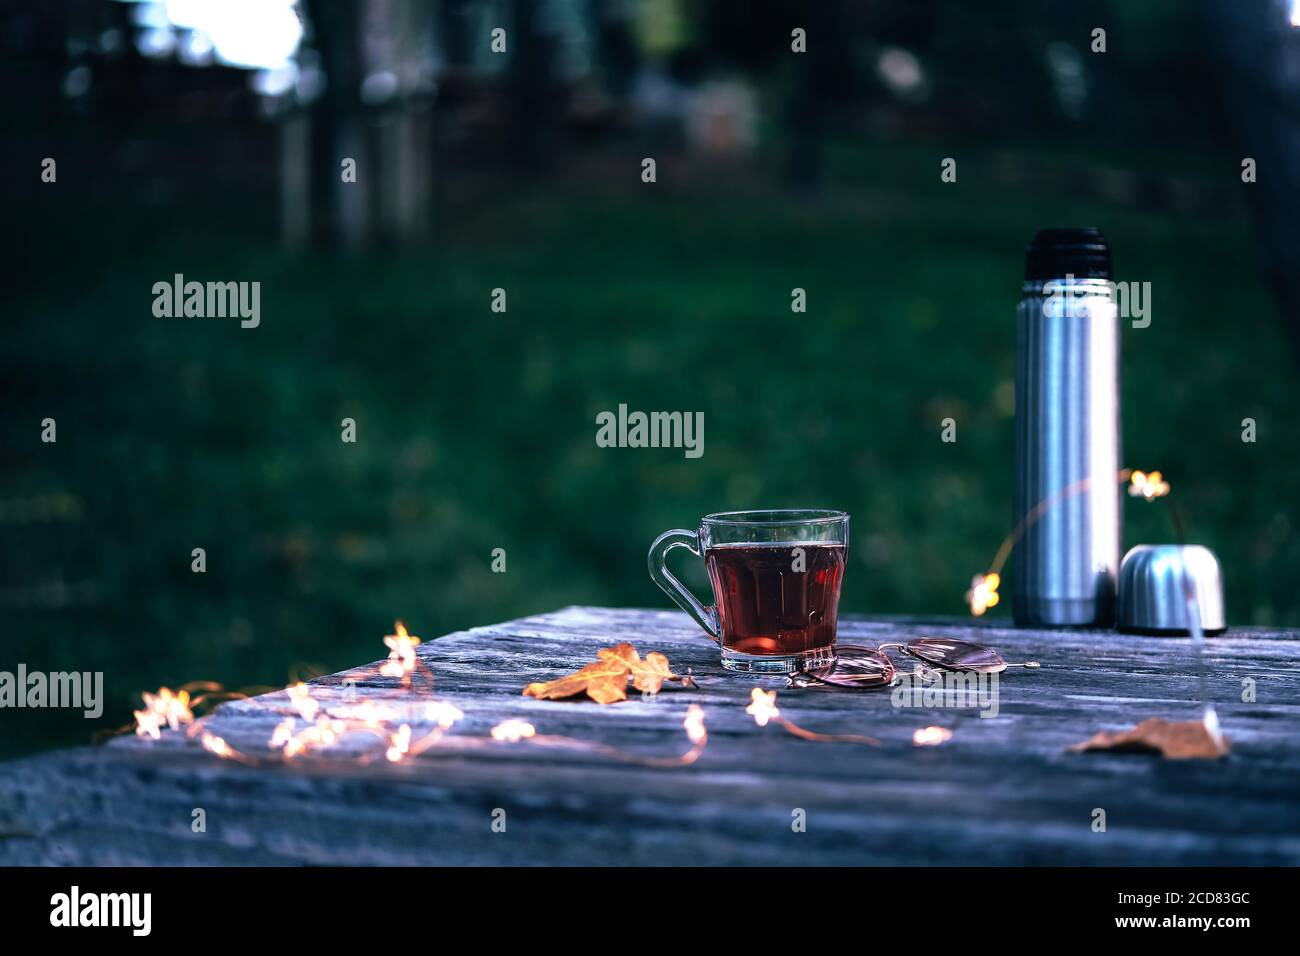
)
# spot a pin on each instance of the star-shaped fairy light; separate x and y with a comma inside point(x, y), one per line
point(694, 724)
point(163, 708)
point(512, 731)
point(983, 593)
point(401, 654)
point(300, 699)
point(399, 743)
point(1147, 485)
point(217, 745)
point(443, 713)
point(285, 740)
point(325, 732)
point(762, 706)
point(931, 736)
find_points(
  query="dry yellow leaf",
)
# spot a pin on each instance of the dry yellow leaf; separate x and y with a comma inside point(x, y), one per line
point(648, 673)
point(1175, 739)
point(651, 676)
point(608, 690)
point(605, 679)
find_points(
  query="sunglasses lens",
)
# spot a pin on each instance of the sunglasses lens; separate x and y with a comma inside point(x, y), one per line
point(856, 666)
point(957, 655)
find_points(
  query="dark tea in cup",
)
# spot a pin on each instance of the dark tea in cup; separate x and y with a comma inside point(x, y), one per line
point(776, 599)
point(776, 579)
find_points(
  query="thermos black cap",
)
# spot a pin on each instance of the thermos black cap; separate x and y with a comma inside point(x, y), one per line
point(1082, 252)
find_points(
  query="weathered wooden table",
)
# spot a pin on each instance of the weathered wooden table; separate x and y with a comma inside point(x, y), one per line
point(1001, 791)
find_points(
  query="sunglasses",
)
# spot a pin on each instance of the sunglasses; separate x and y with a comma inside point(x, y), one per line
point(868, 667)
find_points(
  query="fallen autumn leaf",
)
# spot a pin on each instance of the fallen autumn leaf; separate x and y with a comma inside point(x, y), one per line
point(605, 679)
point(1178, 740)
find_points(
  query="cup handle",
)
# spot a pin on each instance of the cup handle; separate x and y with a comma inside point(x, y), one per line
point(657, 560)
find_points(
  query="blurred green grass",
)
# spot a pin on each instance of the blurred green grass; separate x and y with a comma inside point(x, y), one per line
point(476, 430)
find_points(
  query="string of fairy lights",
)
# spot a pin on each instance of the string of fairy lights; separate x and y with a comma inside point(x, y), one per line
point(324, 725)
point(315, 729)
point(983, 593)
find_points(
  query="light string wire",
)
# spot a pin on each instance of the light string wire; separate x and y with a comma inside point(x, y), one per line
point(983, 593)
point(326, 725)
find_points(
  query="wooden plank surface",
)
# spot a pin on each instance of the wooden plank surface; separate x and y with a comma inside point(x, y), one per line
point(1003, 790)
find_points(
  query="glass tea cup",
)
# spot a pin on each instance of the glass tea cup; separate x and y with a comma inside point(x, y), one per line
point(776, 579)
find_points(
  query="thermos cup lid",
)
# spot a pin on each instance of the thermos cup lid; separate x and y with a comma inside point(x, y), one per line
point(1153, 581)
point(1082, 252)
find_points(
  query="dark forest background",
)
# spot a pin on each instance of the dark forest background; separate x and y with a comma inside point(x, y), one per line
point(211, 146)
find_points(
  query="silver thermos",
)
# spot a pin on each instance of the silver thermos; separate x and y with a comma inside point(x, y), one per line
point(1067, 433)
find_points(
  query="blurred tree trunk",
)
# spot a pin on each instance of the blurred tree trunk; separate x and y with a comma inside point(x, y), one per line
point(615, 42)
point(818, 74)
point(408, 169)
point(295, 178)
point(337, 117)
point(454, 31)
point(406, 140)
point(531, 97)
point(377, 57)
